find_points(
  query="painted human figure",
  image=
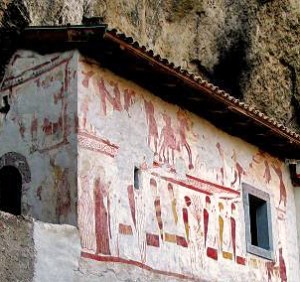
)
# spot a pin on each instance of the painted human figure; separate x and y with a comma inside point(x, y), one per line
point(224, 232)
point(210, 230)
point(233, 229)
point(260, 157)
point(282, 267)
point(173, 202)
point(167, 141)
point(157, 206)
point(152, 125)
point(84, 110)
point(238, 170)
point(183, 127)
point(223, 169)
point(101, 217)
point(63, 204)
point(86, 217)
point(185, 215)
point(34, 127)
point(129, 95)
point(130, 192)
point(221, 225)
point(86, 78)
point(282, 189)
point(206, 218)
point(115, 100)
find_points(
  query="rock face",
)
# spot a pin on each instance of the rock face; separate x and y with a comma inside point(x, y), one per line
point(248, 47)
point(17, 248)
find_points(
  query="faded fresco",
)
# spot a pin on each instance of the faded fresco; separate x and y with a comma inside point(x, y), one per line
point(149, 185)
point(160, 188)
point(37, 132)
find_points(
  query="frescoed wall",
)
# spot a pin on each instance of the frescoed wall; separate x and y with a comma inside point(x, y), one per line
point(159, 188)
point(154, 190)
point(38, 132)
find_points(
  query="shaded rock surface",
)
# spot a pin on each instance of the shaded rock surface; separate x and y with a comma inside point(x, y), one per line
point(248, 47)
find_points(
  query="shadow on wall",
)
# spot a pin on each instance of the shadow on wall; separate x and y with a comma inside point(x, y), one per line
point(10, 190)
point(15, 175)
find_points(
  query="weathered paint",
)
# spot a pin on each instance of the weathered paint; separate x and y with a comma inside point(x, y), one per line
point(38, 134)
point(186, 219)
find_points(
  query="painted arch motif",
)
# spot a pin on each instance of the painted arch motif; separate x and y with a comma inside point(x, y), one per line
point(18, 161)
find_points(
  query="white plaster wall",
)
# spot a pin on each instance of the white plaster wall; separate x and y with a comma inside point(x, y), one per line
point(186, 166)
point(41, 126)
point(57, 252)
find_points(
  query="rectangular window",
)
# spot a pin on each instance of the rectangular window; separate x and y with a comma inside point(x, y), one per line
point(258, 222)
point(136, 178)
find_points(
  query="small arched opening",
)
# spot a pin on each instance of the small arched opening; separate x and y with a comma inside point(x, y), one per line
point(10, 190)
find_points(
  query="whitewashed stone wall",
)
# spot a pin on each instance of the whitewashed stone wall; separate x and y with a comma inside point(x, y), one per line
point(38, 134)
point(79, 133)
point(186, 218)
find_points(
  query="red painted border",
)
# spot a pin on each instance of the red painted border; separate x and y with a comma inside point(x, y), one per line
point(227, 189)
point(52, 65)
point(138, 264)
point(105, 143)
point(181, 183)
point(195, 188)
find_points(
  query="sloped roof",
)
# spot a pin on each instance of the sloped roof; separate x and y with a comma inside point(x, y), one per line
point(128, 58)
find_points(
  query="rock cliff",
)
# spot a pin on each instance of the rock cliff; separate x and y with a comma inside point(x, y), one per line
point(248, 47)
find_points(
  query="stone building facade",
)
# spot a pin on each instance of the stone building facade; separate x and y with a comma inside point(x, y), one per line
point(117, 183)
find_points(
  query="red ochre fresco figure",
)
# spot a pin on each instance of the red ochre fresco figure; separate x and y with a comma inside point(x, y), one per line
point(87, 77)
point(282, 267)
point(183, 127)
point(52, 127)
point(238, 170)
point(84, 110)
point(282, 188)
point(173, 202)
point(157, 207)
point(34, 127)
point(279, 270)
point(101, 218)
point(221, 225)
point(206, 217)
point(167, 141)
point(115, 100)
point(131, 200)
point(129, 95)
point(233, 230)
point(62, 186)
point(196, 212)
point(267, 173)
point(63, 204)
point(186, 217)
point(270, 266)
point(258, 158)
point(221, 152)
point(158, 216)
point(153, 187)
point(152, 125)
point(86, 212)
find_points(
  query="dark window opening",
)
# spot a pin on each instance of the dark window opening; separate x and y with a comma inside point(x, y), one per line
point(136, 178)
point(10, 190)
point(259, 222)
